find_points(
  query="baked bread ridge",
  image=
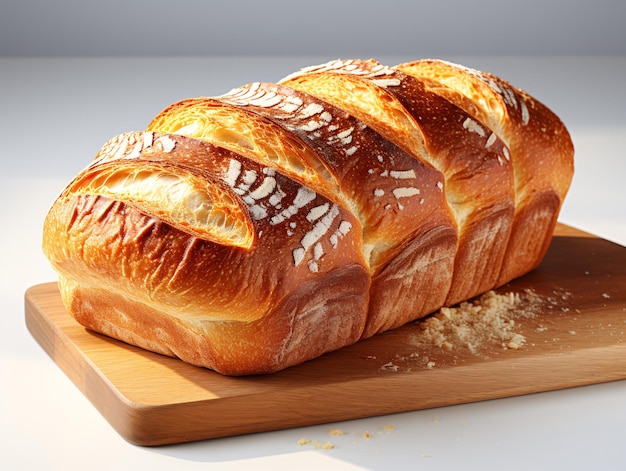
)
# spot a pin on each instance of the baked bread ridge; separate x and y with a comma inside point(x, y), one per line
point(256, 230)
point(347, 171)
point(409, 232)
point(223, 125)
point(473, 160)
point(540, 147)
point(99, 245)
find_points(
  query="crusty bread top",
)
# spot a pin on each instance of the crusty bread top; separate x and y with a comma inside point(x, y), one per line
point(248, 135)
point(526, 125)
point(427, 126)
point(394, 195)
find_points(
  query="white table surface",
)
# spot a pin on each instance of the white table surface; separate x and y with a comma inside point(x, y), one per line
point(56, 113)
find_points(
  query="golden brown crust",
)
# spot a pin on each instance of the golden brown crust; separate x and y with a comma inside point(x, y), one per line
point(246, 134)
point(110, 246)
point(478, 176)
point(257, 230)
point(540, 147)
point(398, 200)
point(314, 319)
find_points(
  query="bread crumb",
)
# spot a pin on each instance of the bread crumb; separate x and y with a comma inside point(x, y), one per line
point(487, 320)
point(325, 446)
point(516, 342)
point(335, 432)
point(316, 444)
point(390, 367)
point(388, 428)
point(367, 435)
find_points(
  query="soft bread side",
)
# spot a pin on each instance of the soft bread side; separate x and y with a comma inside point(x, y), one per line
point(178, 288)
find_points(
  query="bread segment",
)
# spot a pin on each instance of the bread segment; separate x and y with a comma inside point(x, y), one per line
point(399, 201)
point(477, 173)
point(540, 149)
point(100, 246)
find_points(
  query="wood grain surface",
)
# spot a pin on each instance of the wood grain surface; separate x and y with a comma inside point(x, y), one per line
point(578, 338)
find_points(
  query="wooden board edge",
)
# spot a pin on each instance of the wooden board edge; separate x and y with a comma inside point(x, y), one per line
point(142, 424)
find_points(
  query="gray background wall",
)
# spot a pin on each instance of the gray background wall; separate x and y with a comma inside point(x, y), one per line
point(315, 27)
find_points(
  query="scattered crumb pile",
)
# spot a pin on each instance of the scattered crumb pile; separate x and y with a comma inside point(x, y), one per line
point(316, 444)
point(485, 321)
point(321, 445)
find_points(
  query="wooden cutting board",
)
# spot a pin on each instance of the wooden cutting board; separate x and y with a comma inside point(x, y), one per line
point(577, 338)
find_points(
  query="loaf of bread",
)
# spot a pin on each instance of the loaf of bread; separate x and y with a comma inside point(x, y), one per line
point(253, 231)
